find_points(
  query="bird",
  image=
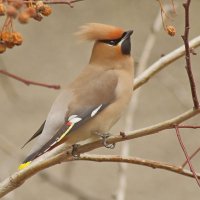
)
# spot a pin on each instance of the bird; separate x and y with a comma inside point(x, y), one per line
point(96, 99)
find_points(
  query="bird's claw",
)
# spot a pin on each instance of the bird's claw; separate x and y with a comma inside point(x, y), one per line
point(75, 152)
point(109, 146)
point(104, 137)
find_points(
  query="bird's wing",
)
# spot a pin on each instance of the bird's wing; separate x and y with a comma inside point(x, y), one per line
point(37, 133)
point(72, 123)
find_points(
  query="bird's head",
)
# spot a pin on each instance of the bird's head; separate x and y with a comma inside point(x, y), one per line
point(111, 43)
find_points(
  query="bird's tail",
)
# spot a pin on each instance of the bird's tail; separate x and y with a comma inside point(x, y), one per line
point(24, 165)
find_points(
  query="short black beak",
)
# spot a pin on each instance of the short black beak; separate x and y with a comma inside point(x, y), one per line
point(128, 34)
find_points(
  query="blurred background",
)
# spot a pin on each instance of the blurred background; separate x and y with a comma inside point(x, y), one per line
point(51, 54)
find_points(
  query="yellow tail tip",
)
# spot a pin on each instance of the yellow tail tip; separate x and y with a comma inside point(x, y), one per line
point(24, 165)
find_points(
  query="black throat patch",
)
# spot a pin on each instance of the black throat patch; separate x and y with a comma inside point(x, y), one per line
point(126, 46)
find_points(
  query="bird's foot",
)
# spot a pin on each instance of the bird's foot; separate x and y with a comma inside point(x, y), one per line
point(75, 152)
point(104, 137)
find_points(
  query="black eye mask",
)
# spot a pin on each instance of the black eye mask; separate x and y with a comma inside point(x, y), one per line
point(113, 42)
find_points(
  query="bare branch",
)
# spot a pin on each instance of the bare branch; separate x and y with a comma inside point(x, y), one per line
point(187, 55)
point(28, 82)
point(188, 126)
point(67, 2)
point(138, 161)
point(186, 155)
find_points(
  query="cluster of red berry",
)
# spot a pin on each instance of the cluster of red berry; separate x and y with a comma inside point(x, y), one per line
point(22, 10)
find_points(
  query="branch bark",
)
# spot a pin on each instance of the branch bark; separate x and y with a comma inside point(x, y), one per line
point(185, 38)
point(138, 161)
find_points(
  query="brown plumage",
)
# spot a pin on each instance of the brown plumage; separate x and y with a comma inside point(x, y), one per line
point(92, 103)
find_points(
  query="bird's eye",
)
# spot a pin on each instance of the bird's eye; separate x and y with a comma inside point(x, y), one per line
point(111, 42)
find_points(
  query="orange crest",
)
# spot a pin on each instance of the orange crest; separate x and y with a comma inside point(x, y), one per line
point(96, 31)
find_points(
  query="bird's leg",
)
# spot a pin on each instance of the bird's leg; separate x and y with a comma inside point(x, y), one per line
point(104, 137)
point(75, 152)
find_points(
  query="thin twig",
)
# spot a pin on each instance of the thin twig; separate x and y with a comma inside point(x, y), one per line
point(186, 155)
point(29, 82)
point(187, 55)
point(68, 2)
point(138, 161)
point(188, 126)
point(192, 156)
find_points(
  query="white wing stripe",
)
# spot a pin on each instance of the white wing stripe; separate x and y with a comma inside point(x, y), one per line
point(71, 117)
point(94, 112)
point(75, 120)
